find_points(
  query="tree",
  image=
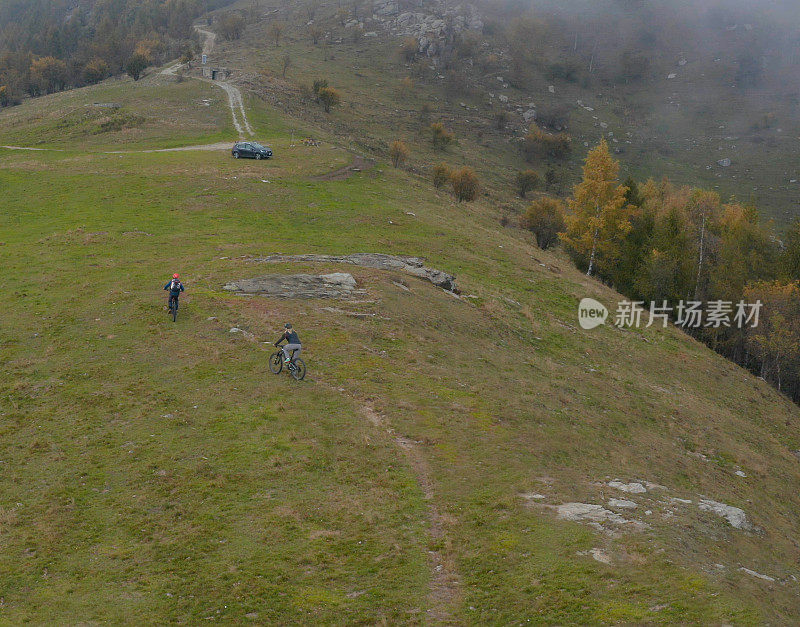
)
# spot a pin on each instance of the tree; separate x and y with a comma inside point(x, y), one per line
point(465, 184)
point(316, 33)
point(501, 119)
point(135, 66)
point(318, 85)
point(398, 152)
point(440, 136)
point(527, 180)
point(286, 63)
point(311, 9)
point(95, 71)
point(441, 174)
point(545, 218)
point(329, 97)
point(598, 219)
point(275, 31)
point(49, 74)
point(704, 210)
point(775, 342)
point(790, 254)
point(231, 26)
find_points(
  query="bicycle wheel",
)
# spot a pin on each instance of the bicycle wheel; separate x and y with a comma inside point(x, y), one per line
point(174, 313)
point(276, 362)
point(299, 371)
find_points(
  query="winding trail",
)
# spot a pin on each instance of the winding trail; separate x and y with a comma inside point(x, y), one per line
point(235, 102)
point(444, 592)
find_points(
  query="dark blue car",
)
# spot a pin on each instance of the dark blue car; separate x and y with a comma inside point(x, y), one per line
point(252, 150)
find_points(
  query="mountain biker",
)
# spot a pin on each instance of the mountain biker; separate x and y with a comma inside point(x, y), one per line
point(175, 288)
point(292, 343)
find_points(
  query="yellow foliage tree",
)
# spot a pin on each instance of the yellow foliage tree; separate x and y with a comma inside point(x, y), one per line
point(599, 218)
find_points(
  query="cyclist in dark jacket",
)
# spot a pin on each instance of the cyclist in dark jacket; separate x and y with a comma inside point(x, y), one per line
point(292, 343)
point(175, 288)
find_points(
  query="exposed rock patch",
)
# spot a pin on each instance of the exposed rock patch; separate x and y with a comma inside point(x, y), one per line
point(621, 504)
point(409, 265)
point(595, 515)
point(734, 515)
point(633, 488)
point(337, 285)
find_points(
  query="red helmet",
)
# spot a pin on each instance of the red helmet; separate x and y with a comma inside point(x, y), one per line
point(176, 276)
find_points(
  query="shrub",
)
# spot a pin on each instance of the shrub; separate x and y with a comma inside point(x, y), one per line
point(440, 136)
point(406, 87)
point(135, 66)
point(316, 33)
point(501, 119)
point(231, 26)
point(465, 184)
point(275, 31)
point(319, 84)
point(537, 143)
point(441, 174)
point(95, 71)
point(554, 117)
point(545, 218)
point(329, 97)
point(527, 180)
point(398, 152)
point(409, 48)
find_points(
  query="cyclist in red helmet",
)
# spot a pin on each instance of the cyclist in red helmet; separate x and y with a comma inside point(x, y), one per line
point(175, 288)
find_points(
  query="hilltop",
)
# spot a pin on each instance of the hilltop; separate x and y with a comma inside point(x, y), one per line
point(469, 457)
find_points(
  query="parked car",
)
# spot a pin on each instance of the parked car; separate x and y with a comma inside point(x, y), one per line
point(252, 150)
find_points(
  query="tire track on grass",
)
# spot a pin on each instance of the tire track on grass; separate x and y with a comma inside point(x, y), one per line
point(444, 593)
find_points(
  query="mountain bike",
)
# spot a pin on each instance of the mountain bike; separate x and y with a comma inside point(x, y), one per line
point(173, 308)
point(296, 366)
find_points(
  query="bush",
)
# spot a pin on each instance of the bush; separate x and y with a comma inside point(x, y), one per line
point(554, 117)
point(465, 184)
point(527, 181)
point(537, 143)
point(501, 119)
point(441, 174)
point(329, 97)
point(545, 218)
point(398, 152)
point(319, 84)
point(316, 33)
point(231, 26)
point(275, 31)
point(564, 70)
point(440, 136)
point(135, 66)
point(95, 71)
point(409, 48)
point(406, 87)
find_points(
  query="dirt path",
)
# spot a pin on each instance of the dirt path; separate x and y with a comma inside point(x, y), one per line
point(235, 102)
point(217, 146)
point(360, 164)
point(444, 593)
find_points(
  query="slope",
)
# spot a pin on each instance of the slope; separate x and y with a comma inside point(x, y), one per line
point(157, 472)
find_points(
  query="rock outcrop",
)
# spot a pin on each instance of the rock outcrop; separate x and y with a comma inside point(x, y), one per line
point(409, 265)
point(337, 285)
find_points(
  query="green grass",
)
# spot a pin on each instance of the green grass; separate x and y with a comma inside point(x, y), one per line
point(157, 472)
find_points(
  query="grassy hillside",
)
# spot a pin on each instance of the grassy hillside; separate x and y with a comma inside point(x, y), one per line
point(157, 472)
point(677, 127)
